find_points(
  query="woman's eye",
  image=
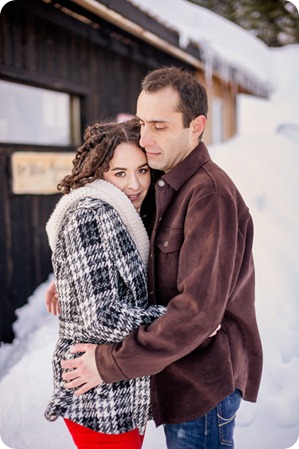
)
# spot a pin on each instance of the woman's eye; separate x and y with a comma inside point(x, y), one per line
point(143, 171)
point(120, 174)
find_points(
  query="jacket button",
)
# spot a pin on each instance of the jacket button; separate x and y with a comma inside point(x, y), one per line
point(165, 243)
point(161, 183)
point(151, 292)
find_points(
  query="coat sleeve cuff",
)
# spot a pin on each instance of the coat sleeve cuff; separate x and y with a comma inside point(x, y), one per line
point(106, 364)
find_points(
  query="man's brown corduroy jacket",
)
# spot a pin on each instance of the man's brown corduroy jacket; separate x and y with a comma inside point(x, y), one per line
point(201, 268)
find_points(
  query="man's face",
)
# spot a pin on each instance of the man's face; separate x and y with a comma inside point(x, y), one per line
point(163, 135)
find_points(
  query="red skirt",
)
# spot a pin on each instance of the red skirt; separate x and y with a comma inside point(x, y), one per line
point(85, 438)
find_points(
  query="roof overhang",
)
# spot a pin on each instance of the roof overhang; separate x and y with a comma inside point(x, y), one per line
point(137, 30)
point(134, 21)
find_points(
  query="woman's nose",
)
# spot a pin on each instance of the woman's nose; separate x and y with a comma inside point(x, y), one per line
point(134, 183)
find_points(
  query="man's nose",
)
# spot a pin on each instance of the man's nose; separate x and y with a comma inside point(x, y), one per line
point(146, 139)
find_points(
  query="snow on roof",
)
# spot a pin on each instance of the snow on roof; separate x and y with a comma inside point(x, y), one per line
point(222, 42)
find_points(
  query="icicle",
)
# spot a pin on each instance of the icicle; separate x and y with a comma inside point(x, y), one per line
point(208, 66)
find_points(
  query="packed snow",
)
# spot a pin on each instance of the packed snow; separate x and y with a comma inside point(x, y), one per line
point(263, 160)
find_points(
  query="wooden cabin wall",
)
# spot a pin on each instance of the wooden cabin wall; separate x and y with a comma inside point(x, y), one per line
point(24, 252)
point(44, 44)
point(224, 91)
point(217, 88)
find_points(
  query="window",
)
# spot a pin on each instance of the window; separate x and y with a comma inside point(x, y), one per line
point(31, 115)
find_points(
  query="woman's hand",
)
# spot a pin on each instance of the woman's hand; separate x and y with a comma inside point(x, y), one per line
point(52, 303)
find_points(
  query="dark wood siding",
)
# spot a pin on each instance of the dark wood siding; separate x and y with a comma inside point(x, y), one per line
point(24, 252)
point(44, 44)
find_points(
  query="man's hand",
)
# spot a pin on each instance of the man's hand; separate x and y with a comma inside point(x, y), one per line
point(84, 373)
point(52, 302)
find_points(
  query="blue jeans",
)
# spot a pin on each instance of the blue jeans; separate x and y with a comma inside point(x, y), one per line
point(212, 431)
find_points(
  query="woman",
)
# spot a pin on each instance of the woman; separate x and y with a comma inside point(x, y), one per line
point(100, 250)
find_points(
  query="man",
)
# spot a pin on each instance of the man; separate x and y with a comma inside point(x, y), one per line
point(201, 268)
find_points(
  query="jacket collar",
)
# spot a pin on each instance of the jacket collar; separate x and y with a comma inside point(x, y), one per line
point(187, 167)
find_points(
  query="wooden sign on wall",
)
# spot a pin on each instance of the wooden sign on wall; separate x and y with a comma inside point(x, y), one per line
point(39, 173)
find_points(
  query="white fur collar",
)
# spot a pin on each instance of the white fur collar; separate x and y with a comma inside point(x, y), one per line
point(107, 192)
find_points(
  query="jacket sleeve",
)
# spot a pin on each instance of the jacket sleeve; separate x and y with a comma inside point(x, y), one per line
point(210, 259)
point(99, 260)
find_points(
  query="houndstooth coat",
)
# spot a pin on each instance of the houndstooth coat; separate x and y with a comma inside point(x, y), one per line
point(101, 283)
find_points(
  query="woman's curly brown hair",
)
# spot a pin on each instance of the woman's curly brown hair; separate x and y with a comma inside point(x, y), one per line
point(93, 157)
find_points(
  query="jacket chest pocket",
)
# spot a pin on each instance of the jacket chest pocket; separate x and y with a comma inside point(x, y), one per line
point(169, 240)
point(167, 252)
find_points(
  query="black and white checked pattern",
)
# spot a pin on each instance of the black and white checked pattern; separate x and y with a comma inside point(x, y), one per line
point(101, 284)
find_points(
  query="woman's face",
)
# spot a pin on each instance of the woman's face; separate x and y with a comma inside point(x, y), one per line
point(129, 171)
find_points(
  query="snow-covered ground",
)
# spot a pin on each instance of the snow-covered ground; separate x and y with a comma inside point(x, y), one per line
point(263, 160)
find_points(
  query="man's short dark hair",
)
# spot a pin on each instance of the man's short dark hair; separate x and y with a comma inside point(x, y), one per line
point(193, 96)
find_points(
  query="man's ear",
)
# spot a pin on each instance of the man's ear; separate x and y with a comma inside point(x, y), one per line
point(198, 125)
